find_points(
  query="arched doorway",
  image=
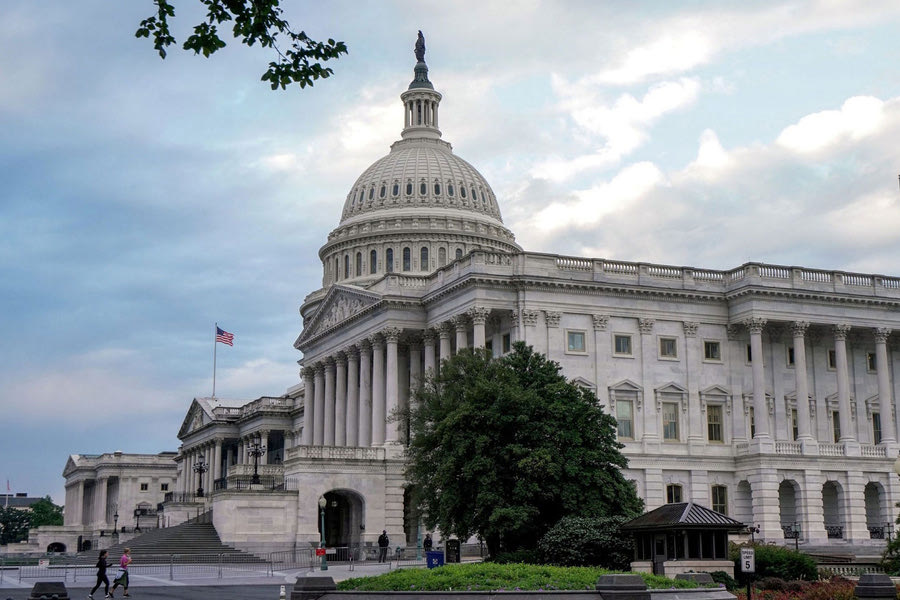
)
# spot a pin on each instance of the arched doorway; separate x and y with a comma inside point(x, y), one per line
point(789, 514)
point(832, 506)
point(344, 519)
point(875, 519)
point(743, 503)
point(56, 547)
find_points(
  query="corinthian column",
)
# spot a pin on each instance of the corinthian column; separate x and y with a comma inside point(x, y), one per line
point(885, 397)
point(461, 323)
point(479, 316)
point(392, 398)
point(801, 383)
point(445, 340)
point(760, 409)
point(377, 390)
point(319, 410)
point(352, 425)
point(329, 402)
point(309, 423)
point(415, 363)
point(843, 381)
point(365, 393)
point(428, 342)
point(340, 400)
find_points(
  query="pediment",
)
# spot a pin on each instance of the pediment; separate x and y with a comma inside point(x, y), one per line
point(195, 418)
point(342, 304)
point(715, 390)
point(626, 385)
point(70, 466)
point(671, 388)
point(583, 383)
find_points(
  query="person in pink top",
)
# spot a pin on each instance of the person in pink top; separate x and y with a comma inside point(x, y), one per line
point(122, 576)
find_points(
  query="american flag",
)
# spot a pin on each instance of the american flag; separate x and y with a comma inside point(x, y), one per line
point(224, 337)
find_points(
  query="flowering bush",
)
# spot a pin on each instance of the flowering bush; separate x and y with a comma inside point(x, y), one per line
point(836, 588)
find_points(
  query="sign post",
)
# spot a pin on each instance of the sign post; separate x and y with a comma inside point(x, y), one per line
point(748, 565)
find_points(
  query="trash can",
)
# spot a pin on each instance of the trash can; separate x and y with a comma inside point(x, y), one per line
point(452, 551)
point(434, 558)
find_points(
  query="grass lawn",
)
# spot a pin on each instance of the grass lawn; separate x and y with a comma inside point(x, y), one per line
point(492, 577)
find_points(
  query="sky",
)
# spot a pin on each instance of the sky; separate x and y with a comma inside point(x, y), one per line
point(143, 200)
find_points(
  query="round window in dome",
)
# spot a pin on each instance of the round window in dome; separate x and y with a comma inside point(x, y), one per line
point(423, 189)
point(450, 189)
point(409, 188)
point(462, 191)
point(383, 191)
point(437, 189)
point(396, 190)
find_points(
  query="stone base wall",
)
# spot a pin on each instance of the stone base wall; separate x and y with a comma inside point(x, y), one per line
point(674, 567)
point(256, 522)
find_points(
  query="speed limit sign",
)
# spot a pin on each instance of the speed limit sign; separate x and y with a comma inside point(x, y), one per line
point(748, 560)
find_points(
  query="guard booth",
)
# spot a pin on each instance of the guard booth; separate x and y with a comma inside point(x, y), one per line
point(451, 549)
point(682, 537)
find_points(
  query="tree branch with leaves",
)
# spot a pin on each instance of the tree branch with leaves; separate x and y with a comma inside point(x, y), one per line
point(299, 61)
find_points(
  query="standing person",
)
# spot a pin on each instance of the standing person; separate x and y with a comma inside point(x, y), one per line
point(101, 575)
point(428, 543)
point(122, 575)
point(383, 542)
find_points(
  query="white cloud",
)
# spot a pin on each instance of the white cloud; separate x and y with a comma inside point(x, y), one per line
point(670, 53)
point(859, 117)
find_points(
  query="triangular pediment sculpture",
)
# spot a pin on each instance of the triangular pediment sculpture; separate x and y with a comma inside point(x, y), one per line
point(342, 304)
point(193, 419)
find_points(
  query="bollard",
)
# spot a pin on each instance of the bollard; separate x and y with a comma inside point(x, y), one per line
point(281, 595)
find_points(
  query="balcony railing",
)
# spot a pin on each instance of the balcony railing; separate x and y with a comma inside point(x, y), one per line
point(336, 453)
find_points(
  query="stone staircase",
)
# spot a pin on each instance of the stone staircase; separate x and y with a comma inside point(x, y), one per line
point(195, 537)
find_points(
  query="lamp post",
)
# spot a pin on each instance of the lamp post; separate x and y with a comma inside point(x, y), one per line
point(796, 532)
point(116, 522)
point(753, 531)
point(200, 467)
point(888, 530)
point(256, 450)
point(322, 504)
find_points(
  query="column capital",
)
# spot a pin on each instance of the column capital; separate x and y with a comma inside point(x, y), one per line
point(690, 328)
point(646, 325)
point(340, 359)
point(320, 368)
point(428, 336)
point(376, 340)
point(478, 314)
point(841, 330)
point(600, 322)
point(352, 353)
point(552, 318)
point(529, 317)
point(391, 334)
point(445, 329)
point(755, 324)
point(308, 372)
point(798, 328)
point(365, 345)
point(460, 321)
point(881, 333)
point(514, 318)
point(329, 363)
point(732, 332)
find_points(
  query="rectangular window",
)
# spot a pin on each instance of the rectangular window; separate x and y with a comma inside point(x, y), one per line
point(575, 341)
point(790, 356)
point(507, 344)
point(714, 423)
point(164, 487)
point(752, 423)
point(712, 351)
point(673, 493)
point(871, 366)
point(836, 425)
point(720, 499)
point(622, 345)
point(876, 428)
point(832, 360)
point(668, 347)
point(794, 428)
point(625, 419)
point(670, 420)
point(749, 354)
point(145, 487)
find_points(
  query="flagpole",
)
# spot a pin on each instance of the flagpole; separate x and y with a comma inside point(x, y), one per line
point(215, 330)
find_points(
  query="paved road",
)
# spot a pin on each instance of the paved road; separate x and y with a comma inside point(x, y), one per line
point(266, 591)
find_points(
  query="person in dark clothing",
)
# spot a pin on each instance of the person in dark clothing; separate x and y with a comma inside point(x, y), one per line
point(428, 542)
point(383, 542)
point(101, 575)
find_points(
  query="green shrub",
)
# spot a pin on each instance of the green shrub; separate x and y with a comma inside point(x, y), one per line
point(777, 561)
point(584, 541)
point(529, 557)
point(725, 579)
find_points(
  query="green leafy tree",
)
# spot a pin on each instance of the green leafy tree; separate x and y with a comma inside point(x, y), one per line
point(44, 512)
point(14, 524)
point(504, 448)
point(577, 541)
point(252, 21)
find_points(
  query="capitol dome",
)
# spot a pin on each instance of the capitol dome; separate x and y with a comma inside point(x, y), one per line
point(417, 209)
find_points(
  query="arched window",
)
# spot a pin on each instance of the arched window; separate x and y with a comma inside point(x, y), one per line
point(437, 188)
point(450, 189)
point(458, 253)
point(409, 188)
point(462, 191)
point(337, 268)
point(360, 197)
point(406, 259)
point(395, 191)
point(371, 192)
point(442, 256)
point(358, 264)
point(389, 260)
point(423, 259)
point(346, 266)
point(373, 261)
point(383, 191)
point(423, 189)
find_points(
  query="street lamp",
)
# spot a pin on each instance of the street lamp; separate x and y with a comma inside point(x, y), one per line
point(796, 532)
point(256, 450)
point(753, 531)
point(322, 504)
point(116, 522)
point(200, 467)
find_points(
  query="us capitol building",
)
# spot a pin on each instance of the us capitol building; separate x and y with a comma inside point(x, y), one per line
point(764, 392)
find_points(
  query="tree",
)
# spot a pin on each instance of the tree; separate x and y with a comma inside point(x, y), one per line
point(504, 448)
point(14, 524)
point(254, 21)
point(44, 512)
